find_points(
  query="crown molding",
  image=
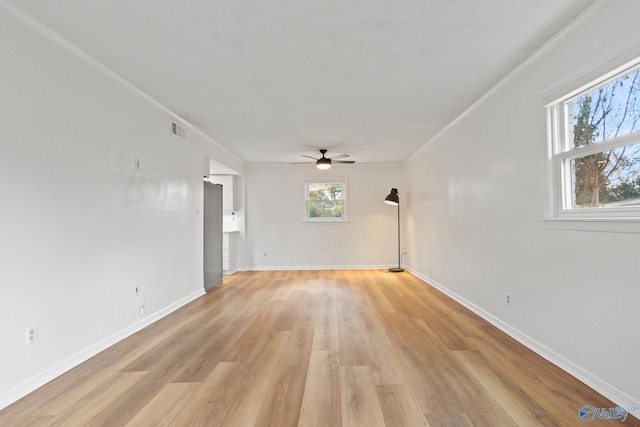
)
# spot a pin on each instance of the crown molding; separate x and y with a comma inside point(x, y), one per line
point(66, 44)
point(581, 20)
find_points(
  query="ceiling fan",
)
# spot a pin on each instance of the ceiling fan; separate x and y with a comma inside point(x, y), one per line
point(325, 162)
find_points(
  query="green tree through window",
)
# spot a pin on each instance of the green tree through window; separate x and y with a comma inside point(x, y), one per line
point(325, 201)
point(611, 176)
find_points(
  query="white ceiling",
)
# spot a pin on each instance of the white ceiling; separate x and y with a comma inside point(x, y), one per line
point(273, 79)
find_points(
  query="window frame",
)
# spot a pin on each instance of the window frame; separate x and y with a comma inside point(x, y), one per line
point(328, 180)
point(560, 153)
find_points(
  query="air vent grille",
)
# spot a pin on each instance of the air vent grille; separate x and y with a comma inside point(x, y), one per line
point(178, 131)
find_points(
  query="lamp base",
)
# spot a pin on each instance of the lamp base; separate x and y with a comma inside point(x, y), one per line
point(396, 270)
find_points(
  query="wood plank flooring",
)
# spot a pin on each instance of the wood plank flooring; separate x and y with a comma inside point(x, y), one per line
point(314, 348)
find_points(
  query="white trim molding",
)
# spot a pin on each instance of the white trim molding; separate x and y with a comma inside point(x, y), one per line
point(55, 37)
point(60, 368)
point(601, 386)
point(573, 26)
point(316, 267)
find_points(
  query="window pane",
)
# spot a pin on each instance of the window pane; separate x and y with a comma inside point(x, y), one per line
point(608, 112)
point(607, 179)
point(325, 209)
point(324, 192)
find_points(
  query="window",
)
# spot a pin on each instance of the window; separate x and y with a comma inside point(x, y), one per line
point(325, 200)
point(595, 149)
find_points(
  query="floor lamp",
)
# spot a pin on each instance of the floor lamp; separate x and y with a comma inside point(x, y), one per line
point(394, 200)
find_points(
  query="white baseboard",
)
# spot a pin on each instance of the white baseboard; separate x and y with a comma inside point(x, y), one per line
point(44, 377)
point(316, 267)
point(609, 391)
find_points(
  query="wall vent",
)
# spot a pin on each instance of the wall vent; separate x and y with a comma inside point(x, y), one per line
point(178, 131)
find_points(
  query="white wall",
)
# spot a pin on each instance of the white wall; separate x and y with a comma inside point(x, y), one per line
point(79, 228)
point(475, 223)
point(275, 212)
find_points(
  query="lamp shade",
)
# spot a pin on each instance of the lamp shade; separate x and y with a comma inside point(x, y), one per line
point(393, 198)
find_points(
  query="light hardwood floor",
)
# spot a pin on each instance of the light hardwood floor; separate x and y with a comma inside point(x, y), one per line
point(314, 348)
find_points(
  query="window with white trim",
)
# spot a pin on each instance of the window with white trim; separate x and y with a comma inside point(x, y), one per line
point(595, 149)
point(325, 199)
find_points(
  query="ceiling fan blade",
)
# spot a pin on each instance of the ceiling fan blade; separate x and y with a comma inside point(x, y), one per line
point(309, 157)
point(300, 163)
point(339, 156)
point(343, 161)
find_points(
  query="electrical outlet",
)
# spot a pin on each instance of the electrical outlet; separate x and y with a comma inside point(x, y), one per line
point(32, 334)
point(508, 299)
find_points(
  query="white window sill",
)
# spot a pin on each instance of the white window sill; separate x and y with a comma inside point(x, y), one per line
point(607, 225)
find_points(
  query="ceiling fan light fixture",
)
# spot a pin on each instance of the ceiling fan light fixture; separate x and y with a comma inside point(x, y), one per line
point(323, 163)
